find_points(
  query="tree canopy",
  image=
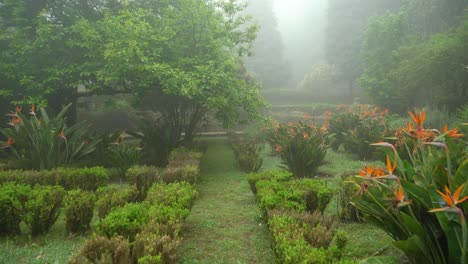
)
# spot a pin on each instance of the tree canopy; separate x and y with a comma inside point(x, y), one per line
point(189, 50)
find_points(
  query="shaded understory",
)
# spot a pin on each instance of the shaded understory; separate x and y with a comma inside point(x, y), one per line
point(224, 225)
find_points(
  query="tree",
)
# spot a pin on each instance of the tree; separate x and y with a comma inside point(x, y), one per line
point(267, 63)
point(180, 50)
point(411, 60)
point(347, 23)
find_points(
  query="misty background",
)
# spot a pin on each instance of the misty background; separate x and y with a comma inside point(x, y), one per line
point(311, 44)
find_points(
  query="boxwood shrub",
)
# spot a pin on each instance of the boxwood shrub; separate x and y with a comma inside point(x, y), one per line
point(143, 177)
point(12, 201)
point(109, 197)
point(278, 175)
point(79, 208)
point(125, 221)
point(69, 178)
point(115, 250)
point(43, 208)
point(178, 194)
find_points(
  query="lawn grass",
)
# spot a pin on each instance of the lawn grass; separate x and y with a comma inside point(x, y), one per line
point(224, 225)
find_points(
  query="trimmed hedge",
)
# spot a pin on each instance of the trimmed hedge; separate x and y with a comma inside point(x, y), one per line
point(143, 177)
point(109, 197)
point(179, 194)
point(126, 221)
point(88, 179)
point(188, 173)
point(299, 195)
point(13, 198)
point(114, 250)
point(79, 209)
point(43, 208)
point(278, 175)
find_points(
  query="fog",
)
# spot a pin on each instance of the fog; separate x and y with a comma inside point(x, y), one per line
point(302, 25)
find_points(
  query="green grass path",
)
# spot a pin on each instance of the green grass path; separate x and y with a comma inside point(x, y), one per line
point(224, 225)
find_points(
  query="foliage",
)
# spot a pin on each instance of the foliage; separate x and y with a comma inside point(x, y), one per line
point(124, 155)
point(164, 214)
point(420, 201)
point(271, 175)
point(79, 209)
point(462, 118)
point(110, 197)
point(297, 195)
point(157, 140)
point(126, 221)
point(188, 173)
point(344, 36)
point(186, 50)
point(301, 147)
point(416, 56)
point(299, 242)
point(247, 152)
point(69, 178)
point(42, 143)
point(12, 201)
point(143, 177)
point(115, 250)
point(174, 194)
point(43, 208)
point(356, 127)
point(157, 243)
point(346, 211)
point(182, 156)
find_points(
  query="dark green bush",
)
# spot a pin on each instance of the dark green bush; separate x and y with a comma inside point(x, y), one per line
point(157, 242)
point(111, 196)
point(102, 250)
point(188, 173)
point(278, 175)
point(88, 179)
point(125, 221)
point(178, 194)
point(143, 177)
point(12, 201)
point(79, 208)
point(43, 208)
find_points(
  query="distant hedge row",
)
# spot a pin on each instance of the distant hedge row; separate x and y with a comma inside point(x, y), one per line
point(89, 179)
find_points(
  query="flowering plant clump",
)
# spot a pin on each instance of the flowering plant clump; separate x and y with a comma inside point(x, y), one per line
point(421, 199)
point(40, 142)
point(355, 127)
point(300, 146)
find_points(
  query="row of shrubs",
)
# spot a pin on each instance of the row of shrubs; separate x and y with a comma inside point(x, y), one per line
point(247, 152)
point(144, 232)
point(89, 179)
point(294, 209)
point(142, 224)
point(39, 208)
